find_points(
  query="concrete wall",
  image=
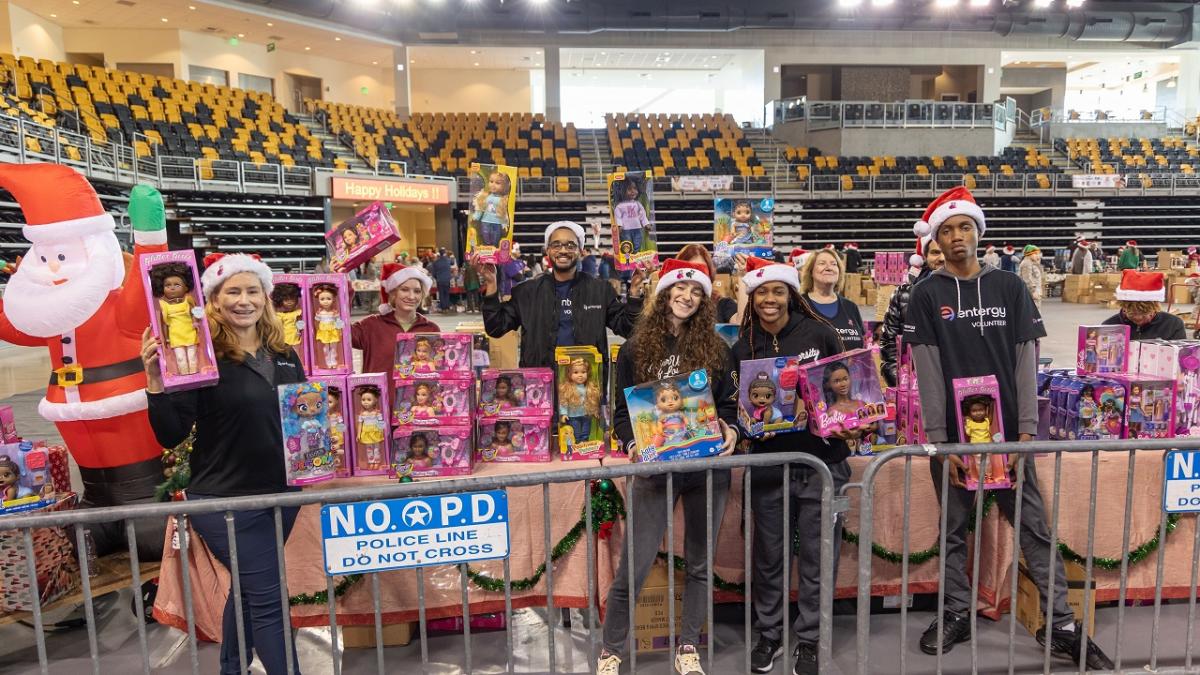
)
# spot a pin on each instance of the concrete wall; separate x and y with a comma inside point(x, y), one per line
point(33, 36)
point(874, 83)
point(1108, 130)
point(894, 142)
point(127, 45)
point(477, 90)
point(1053, 80)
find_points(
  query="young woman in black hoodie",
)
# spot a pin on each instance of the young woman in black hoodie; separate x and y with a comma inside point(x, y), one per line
point(676, 336)
point(780, 323)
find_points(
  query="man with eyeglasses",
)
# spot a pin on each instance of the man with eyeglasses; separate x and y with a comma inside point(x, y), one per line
point(561, 308)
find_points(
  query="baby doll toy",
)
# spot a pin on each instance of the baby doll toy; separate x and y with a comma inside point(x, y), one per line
point(178, 313)
point(371, 428)
point(328, 318)
point(10, 476)
point(674, 418)
point(762, 396)
point(418, 456)
point(672, 423)
point(741, 227)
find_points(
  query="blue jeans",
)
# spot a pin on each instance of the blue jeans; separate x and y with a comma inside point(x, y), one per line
point(489, 233)
point(258, 569)
point(634, 237)
point(581, 427)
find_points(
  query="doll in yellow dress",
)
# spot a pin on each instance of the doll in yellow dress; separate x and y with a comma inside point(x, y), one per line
point(371, 428)
point(172, 284)
point(978, 428)
point(329, 324)
point(286, 299)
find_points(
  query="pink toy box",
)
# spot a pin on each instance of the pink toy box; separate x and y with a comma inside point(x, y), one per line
point(432, 453)
point(582, 432)
point(1094, 408)
point(1102, 350)
point(8, 425)
point(674, 418)
point(341, 442)
point(177, 319)
point(328, 328)
point(368, 406)
point(303, 412)
point(431, 356)
point(977, 407)
point(1149, 406)
point(356, 240)
point(290, 300)
point(767, 399)
point(514, 439)
point(842, 393)
point(433, 402)
point(516, 393)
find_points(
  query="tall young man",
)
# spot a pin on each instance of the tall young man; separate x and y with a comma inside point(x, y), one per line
point(968, 320)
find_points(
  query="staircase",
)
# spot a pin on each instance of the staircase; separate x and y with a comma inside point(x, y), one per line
point(1026, 138)
point(769, 151)
point(346, 154)
point(596, 157)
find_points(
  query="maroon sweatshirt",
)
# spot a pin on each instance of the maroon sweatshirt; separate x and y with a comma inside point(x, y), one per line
point(376, 336)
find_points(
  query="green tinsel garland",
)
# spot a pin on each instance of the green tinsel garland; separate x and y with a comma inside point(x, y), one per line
point(177, 469)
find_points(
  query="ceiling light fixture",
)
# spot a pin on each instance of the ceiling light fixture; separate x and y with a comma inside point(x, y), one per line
point(476, 63)
point(192, 7)
point(74, 2)
point(164, 19)
point(270, 25)
point(946, 4)
point(241, 35)
point(882, 3)
point(849, 4)
point(308, 49)
point(1042, 4)
point(1072, 4)
point(53, 16)
point(337, 39)
point(980, 3)
point(375, 63)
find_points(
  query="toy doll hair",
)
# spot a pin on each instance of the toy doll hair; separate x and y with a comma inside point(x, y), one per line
point(285, 291)
point(427, 386)
point(412, 441)
point(512, 396)
point(160, 273)
point(830, 369)
point(325, 288)
point(665, 386)
point(970, 402)
point(568, 395)
point(422, 341)
point(367, 389)
point(762, 381)
point(482, 195)
point(504, 179)
point(349, 230)
point(9, 463)
point(740, 203)
point(619, 186)
point(291, 427)
point(335, 391)
point(504, 423)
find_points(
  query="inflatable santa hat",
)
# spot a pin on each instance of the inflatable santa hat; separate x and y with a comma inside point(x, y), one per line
point(393, 275)
point(1142, 287)
point(760, 271)
point(675, 271)
point(952, 202)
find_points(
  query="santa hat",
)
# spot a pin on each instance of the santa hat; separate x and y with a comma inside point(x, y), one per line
point(952, 202)
point(1191, 250)
point(675, 271)
point(1131, 243)
point(393, 275)
point(58, 202)
point(759, 272)
point(556, 226)
point(852, 245)
point(218, 267)
point(989, 248)
point(1083, 243)
point(798, 256)
point(1141, 287)
point(917, 259)
point(1008, 248)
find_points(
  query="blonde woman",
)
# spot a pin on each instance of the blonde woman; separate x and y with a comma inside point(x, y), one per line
point(821, 282)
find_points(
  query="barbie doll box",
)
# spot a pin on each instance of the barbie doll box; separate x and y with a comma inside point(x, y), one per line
point(369, 424)
point(767, 399)
point(842, 393)
point(328, 335)
point(514, 439)
point(307, 452)
point(1102, 350)
point(434, 402)
point(431, 356)
point(674, 418)
point(8, 425)
point(356, 240)
point(432, 453)
point(977, 408)
point(1149, 406)
point(518, 392)
point(177, 319)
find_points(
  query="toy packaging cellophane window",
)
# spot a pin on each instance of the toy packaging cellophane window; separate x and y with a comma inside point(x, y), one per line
point(767, 399)
point(433, 452)
point(369, 419)
point(328, 327)
point(490, 216)
point(356, 240)
point(303, 413)
point(614, 446)
point(580, 396)
point(424, 356)
point(186, 358)
point(1103, 349)
point(631, 206)
point(1149, 406)
point(842, 393)
point(290, 299)
point(1094, 408)
point(337, 413)
point(743, 225)
point(674, 418)
point(433, 402)
point(514, 439)
point(517, 392)
point(978, 411)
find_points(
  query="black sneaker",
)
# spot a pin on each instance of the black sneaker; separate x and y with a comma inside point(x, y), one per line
point(762, 659)
point(956, 628)
point(1065, 645)
point(806, 660)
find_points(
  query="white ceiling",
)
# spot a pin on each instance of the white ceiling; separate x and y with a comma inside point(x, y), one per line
point(496, 58)
point(646, 59)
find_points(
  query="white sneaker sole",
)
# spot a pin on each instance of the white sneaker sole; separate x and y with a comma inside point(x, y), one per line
point(771, 666)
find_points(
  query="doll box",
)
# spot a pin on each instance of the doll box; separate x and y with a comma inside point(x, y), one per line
point(842, 392)
point(491, 242)
point(767, 395)
point(329, 338)
point(516, 393)
point(8, 425)
point(432, 453)
point(307, 452)
point(356, 240)
point(369, 422)
point(582, 431)
point(969, 394)
point(1102, 349)
point(674, 418)
point(1095, 408)
point(1149, 406)
point(1187, 391)
point(513, 439)
point(610, 411)
point(433, 402)
point(295, 326)
point(426, 356)
point(337, 413)
point(189, 326)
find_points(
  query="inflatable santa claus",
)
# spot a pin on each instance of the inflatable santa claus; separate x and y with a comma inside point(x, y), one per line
point(77, 294)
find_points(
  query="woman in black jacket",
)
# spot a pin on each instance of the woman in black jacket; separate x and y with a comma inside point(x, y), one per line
point(930, 259)
point(779, 323)
point(821, 282)
point(676, 336)
point(238, 448)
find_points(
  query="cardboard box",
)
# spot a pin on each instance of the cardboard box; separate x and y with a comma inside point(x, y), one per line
point(361, 637)
point(1181, 295)
point(651, 617)
point(1032, 615)
point(724, 284)
point(883, 297)
point(502, 350)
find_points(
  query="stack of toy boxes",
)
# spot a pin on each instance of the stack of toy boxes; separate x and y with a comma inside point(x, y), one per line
point(515, 408)
point(910, 430)
point(433, 405)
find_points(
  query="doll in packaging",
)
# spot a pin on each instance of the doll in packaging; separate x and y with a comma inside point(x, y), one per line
point(288, 299)
point(842, 393)
point(524, 391)
point(581, 432)
point(977, 402)
point(743, 226)
point(434, 355)
point(307, 449)
point(178, 320)
point(489, 226)
point(431, 453)
point(327, 317)
point(674, 418)
point(631, 206)
point(431, 402)
point(767, 400)
point(512, 439)
point(1103, 349)
point(10, 477)
point(337, 430)
point(370, 430)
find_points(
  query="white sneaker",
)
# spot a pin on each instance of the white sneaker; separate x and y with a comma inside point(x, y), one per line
point(687, 661)
point(609, 664)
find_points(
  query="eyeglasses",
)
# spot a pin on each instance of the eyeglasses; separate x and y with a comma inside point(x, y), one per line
point(568, 246)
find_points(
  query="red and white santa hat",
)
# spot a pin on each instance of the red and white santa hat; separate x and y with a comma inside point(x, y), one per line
point(218, 267)
point(1008, 248)
point(675, 271)
point(1191, 250)
point(760, 271)
point(1131, 242)
point(394, 274)
point(852, 245)
point(58, 202)
point(798, 256)
point(952, 202)
point(1142, 287)
point(917, 259)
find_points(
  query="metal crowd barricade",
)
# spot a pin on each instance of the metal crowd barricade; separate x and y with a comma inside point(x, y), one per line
point(181, 510)
point(1026, 451)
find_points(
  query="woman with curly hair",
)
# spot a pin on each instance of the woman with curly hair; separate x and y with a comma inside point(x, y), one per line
point(674, 337)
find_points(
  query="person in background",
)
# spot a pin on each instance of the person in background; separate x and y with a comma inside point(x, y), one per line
point(1139, 296)
point(927, 259)
point(481, 353)
point(590, 265)
point(1008, 259)
point(1193, 257)
point(1130, 257)
point(403, 289)
point(821, 281)
point(1081, 258)
point(471, 285)
point(442, 270)
point(727, 307)
point(238, 446)
point(991, 257)
point(853, 257)
point(1030, 271)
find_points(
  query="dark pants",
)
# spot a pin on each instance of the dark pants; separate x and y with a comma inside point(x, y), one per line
point(444, 295)
point(128, 484)
point(258, 570)
point(581, 427)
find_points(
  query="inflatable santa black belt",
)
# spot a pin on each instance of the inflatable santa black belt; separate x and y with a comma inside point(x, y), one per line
point(72, 376)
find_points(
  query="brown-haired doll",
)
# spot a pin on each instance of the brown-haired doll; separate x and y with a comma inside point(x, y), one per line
point(172, 283)
point(286, 299)
point(579, 399)
point(328, 318)
point(10, 474)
